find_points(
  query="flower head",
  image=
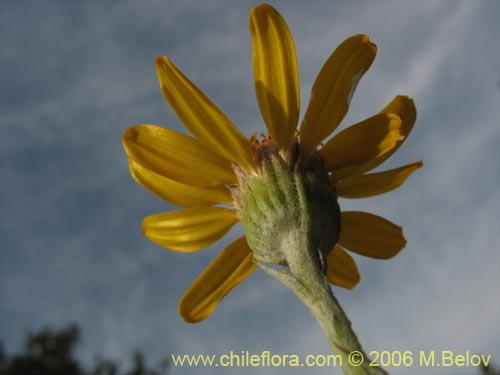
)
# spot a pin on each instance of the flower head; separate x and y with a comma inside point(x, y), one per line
point(287, 182)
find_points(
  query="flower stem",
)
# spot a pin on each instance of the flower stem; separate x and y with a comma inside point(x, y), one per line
point(305, 278)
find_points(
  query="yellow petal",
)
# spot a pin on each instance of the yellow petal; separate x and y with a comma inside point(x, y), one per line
point(176, 156)
point(333, 89)
point(226, 271)
point(404, 107)
point(177, 192)
point(370, 235)
point(189, 229)
point(202, 117)
point(342, 270)
point(367, 185)
point(275, 72)
point(362, 142)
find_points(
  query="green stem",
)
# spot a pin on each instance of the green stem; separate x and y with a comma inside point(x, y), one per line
point(307, 281)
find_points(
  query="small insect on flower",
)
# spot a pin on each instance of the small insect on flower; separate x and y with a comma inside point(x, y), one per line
point(283, 187)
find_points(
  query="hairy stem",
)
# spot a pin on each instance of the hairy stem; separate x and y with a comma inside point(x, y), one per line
point(304, 277)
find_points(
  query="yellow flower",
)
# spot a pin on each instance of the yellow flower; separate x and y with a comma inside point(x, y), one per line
point(203, 173)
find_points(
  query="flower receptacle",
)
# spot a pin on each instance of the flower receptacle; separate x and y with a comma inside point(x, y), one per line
point(288, 201)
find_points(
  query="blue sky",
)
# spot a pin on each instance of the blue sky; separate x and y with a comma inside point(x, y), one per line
point(75, 75)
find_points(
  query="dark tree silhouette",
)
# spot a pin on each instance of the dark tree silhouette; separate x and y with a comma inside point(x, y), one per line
point(46, 352)
point(2, 358)
point(51, 352)
point(105, 367)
